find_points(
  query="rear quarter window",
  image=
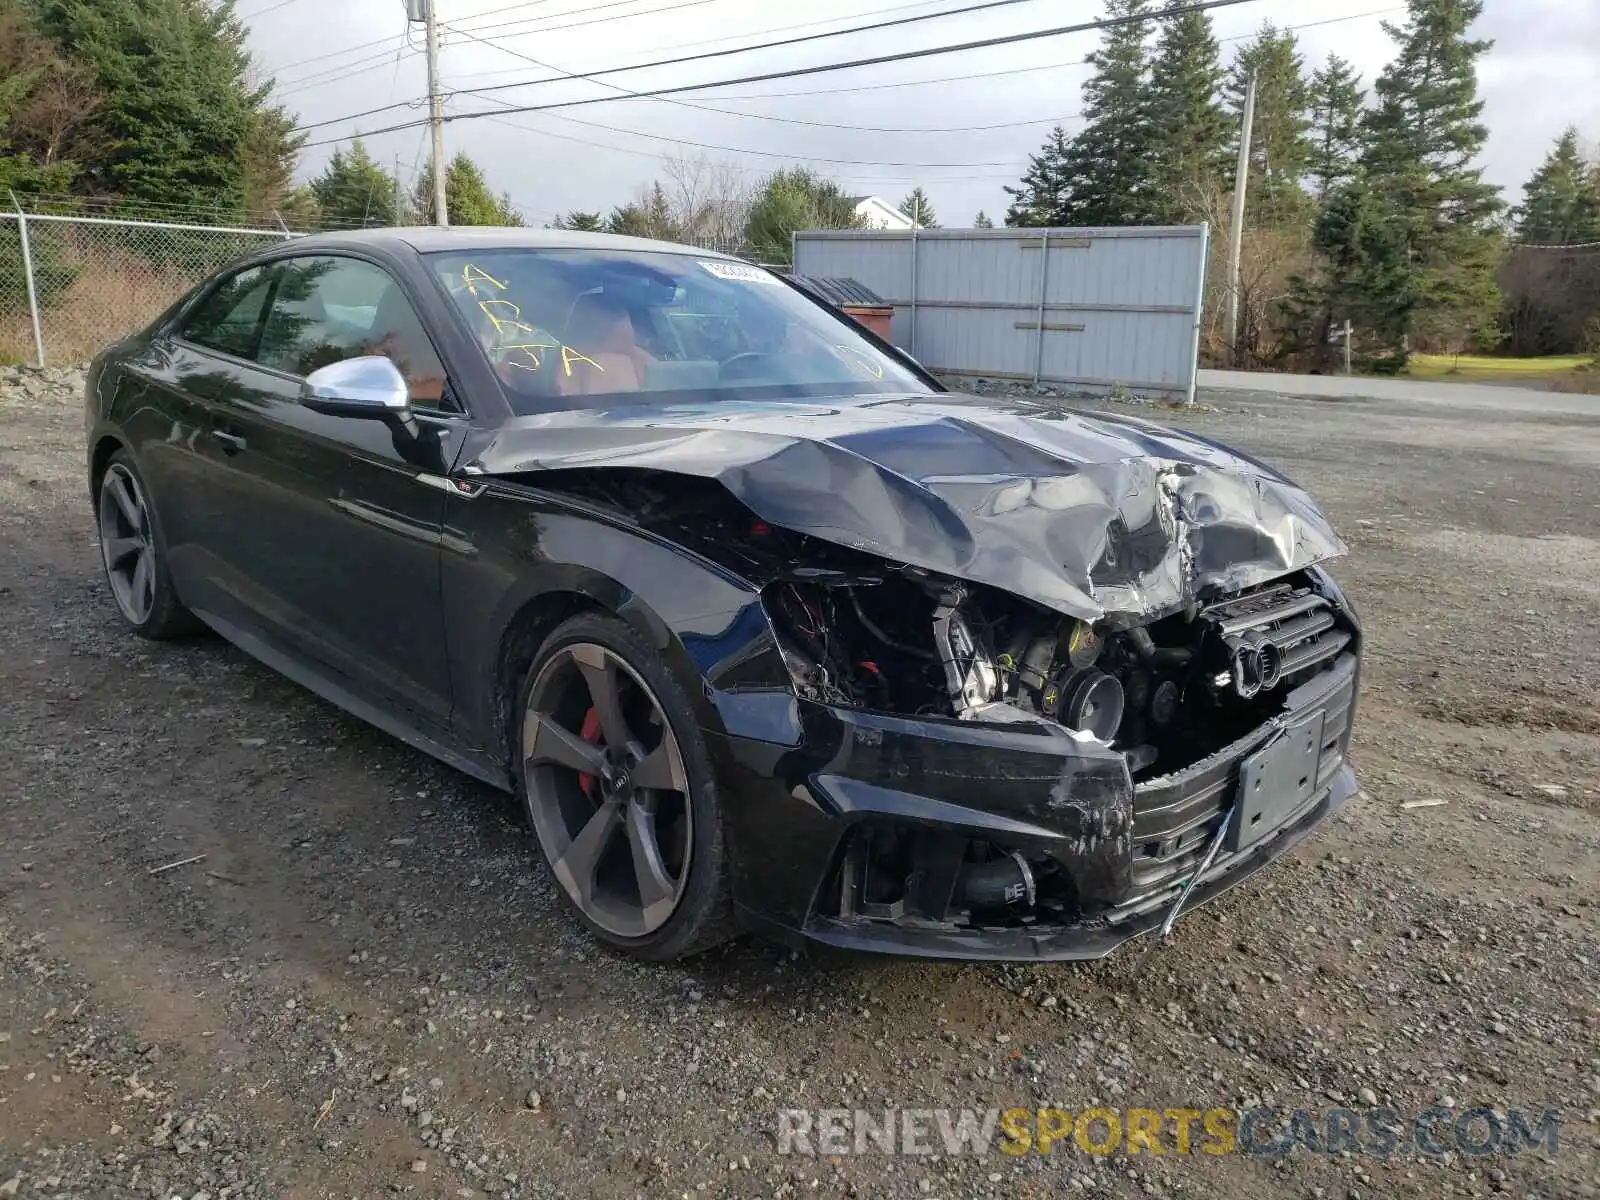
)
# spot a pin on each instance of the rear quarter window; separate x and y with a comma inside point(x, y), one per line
point(229, 318)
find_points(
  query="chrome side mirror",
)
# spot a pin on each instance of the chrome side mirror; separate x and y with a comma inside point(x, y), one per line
point(369, 386)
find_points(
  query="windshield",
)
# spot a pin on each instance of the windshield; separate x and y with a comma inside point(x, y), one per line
point(581, 328)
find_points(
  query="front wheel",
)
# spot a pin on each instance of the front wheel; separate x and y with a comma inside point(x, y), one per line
point(620, 792)
point(134, 554)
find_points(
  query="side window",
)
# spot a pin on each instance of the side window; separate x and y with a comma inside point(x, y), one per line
point(328, 309)
point(229, 319)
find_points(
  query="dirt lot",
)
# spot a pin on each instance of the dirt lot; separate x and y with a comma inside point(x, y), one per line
point(358, 988)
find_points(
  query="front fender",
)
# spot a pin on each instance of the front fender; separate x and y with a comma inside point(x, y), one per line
point(512, 547)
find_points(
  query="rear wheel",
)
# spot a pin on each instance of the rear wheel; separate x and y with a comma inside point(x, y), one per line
point(134, 554)
point(620, 792)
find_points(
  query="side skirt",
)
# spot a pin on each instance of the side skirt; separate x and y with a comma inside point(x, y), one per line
point(470, 762)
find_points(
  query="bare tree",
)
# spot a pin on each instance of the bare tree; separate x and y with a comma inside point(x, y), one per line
point(1268, 259)
point(708, 200)
point(46, 100)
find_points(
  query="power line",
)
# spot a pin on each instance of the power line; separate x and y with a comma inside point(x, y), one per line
point(360, 66)
point(656, 156)
point(783, 42)
point(394, 40)
point(629, 93)
point(261, 12)
point(648, 12)
point(879, 87)
point(877, 60)
point(523, 5)
point(397, 38)
point(984, 6)
point(787, 155)
point(705, 41)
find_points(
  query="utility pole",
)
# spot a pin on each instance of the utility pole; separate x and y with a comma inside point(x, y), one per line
point(1240, 183)
point(399, 211)
point(441, 214)
point(1349, 356)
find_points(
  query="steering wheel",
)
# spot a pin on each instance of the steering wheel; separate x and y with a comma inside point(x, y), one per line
point(738, 366)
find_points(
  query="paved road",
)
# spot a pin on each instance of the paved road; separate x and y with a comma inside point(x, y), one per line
point(1489, 397)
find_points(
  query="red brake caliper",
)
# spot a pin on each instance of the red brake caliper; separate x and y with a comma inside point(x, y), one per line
point(589, 731)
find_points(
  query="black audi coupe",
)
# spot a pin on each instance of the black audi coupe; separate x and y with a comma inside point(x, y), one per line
point(766, 628)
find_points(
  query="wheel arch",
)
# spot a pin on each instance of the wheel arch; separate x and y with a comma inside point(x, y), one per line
point(537, 561)
point(105, 446)
point(519, 644)
point(573, 591)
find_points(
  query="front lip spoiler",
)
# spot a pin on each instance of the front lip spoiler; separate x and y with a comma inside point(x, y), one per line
point(1073, 943)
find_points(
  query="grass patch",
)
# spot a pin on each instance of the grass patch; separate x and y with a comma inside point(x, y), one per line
point(1561, 371)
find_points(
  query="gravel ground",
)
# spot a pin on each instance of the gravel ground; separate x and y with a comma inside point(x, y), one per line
point(365, 986)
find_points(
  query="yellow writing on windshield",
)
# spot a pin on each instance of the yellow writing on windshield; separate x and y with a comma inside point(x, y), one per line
point(859, 361)
point(532, 353)
point(506, 318)
point(472, 275)
point(495, 310)
point(570, 356)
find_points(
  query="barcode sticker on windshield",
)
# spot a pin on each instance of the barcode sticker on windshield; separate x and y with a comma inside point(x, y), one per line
point(742, 272)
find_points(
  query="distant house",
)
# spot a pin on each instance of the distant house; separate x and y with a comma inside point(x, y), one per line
point(880, 214)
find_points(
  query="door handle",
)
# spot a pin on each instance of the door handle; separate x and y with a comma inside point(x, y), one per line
point(232, 443)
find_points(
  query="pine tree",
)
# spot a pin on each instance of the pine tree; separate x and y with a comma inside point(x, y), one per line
point(1561, 203)
point(1280, 148)
point(1336, 99)
point(180, 97)
point(1193, 135)
point(982, 221)
point(1108, 168)
point(27, 63)
point(266, 166)
point(45, 100)
point(1042, 197)
point(648, 216)
point(1362, 277)
point(353, 191)
point(658, 217)
point(467, 198)
point(919, 209)
point(580, 222)
point(1421, 138)
point(629, 220)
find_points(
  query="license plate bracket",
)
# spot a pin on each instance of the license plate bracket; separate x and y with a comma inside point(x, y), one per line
point(1276, 780)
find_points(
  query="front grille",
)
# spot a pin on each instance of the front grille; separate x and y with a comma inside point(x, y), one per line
point(1298, 621)
point(1176, 816)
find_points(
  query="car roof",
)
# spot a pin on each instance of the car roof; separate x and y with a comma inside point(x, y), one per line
point(427, 239)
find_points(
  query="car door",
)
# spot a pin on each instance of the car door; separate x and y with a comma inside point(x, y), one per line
point(164, 402)
point(332, 552)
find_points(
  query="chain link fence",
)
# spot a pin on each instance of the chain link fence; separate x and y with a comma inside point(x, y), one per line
point(71, 285)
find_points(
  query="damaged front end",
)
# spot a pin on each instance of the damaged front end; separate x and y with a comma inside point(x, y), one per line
point(968, 771)
point(1107, 763)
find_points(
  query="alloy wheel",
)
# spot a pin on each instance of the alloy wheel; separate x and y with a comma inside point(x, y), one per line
point(127, 544)
point(607, 790)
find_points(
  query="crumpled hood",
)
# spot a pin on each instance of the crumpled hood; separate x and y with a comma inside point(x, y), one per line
point(1090, 515)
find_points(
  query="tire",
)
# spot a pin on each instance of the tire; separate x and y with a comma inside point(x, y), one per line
point(562, 721)
point(134, 554)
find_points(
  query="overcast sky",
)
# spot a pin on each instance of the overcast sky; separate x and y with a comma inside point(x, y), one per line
point(333, 59)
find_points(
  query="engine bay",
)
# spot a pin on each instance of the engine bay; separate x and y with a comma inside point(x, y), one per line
point(862, 632)
point(1165, 694)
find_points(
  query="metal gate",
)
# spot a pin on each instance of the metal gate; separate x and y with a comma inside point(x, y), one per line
point(1093, 309)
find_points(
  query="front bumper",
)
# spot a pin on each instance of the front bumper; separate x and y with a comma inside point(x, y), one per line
point(795, 807)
